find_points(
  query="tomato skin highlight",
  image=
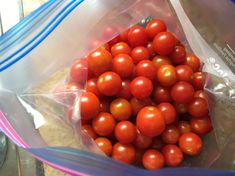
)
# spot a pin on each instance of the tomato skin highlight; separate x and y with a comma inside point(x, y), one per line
point(120, 48)
point(150, 121)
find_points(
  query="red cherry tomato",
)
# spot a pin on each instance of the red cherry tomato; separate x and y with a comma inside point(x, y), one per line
point(141, 87)
point(137, 104)
point(150, 121)
point(200, 94)
point(184, 73)
point(99, 61)
point(123, 65)
point(162, 94)
point(124, 36)
point(172, 155)
point(202, 125)
point(166, 75)
point(154, 27)
point(139, 53)
point(125, 91)
point(124, 153)
point(190, 144)
point(178, 56)
point(150, 49)
point(198, 107)
point(120, 109)
point(89, 130)
point(103, 124)
point(168, 112)
point(153, 159)
point(193, 62)
point(79, 71)
point(199, 80)
point(91, 86)
point(158, 61)
point(181, 108)
point(182, 92)
point(120, 48)
point(157, 143)
point(104, 105)
point(184, 127)
point(90, 105)
point(109, 83)
point(146, 68)
point(105, 145)
point(114, 41)
point(171, 134)
point(137, 36)
point(164, 43)
point(141, 141)
point(125, 132)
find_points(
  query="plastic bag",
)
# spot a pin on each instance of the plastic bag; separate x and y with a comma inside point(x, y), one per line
point(34, 59)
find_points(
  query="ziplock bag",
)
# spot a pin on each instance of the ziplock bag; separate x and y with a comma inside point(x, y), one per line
point(34, 59)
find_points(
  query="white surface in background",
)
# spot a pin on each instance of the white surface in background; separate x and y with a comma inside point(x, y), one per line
point(10, 13)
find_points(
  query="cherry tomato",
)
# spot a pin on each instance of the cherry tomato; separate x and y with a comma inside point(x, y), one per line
point(137, 104)
point(124, 153)
point(120, 48)
point(153, 159)
point(200, 94)
point(103, 124)
point(199, 80)
point(190, 144)
point(146, 68)
point(125, 132)
point(184, 73)
point(79, 71)
point(104, 105)
point(121, 109)
point(99, 61)
point(157, 143)
point(166, 75)
point(182, 92)
point(193, 62)
point(162, 94)
point(114, 41)
point(171, 134)
point(109, 83)
point(123, 65)
point(125, 91)
point(105, 145)
point(181, 108)
point(154, 27)
point(89, 130)
point(141, 87)
point(91, 86)
point(164, 43)
point(139, 53)
point(184, 127)
point(124, 36)
point(202, 125)
point(172, 155)
point(137, 36)
point(198, 107)
point(168, 112)
point(150, 121)
point(141, 141)
point(178, 56)
point(90, 105)
point(158, 61)
point(150, 49)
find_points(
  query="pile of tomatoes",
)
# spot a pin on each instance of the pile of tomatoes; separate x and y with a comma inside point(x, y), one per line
point(144, 102)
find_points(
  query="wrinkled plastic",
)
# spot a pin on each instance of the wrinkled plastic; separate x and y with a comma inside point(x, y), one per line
point(34, 65)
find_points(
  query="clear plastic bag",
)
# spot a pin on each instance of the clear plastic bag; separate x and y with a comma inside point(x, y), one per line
point(35, 57)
